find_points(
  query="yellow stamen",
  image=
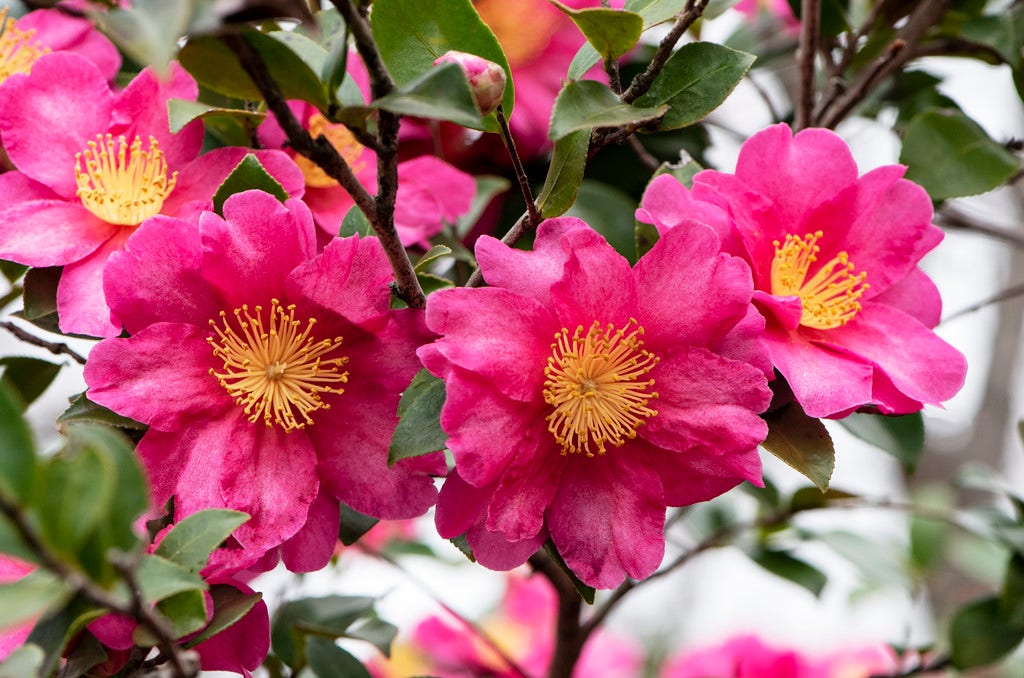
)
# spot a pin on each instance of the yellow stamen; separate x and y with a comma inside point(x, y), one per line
point(343, 141)
point(277, 373)
point(18, 50)
point(830, 297)
point(509, 19)
point(122, 184)
point(594, 384)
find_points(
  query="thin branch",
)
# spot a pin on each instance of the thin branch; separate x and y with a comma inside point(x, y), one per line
point(51, 346)
point(568, 637)
point(1005, 295)
point(645, 156)
point(810, 19)
point(763, 93)
point(380, 80)
point(643, 81)
point(321, 152)
point(524, 183)
point(952, 217)
point(938, 664)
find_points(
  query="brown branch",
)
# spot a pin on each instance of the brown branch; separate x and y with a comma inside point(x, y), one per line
point(643, 81)
point(810, 20)
point(53, 347)
point(952, 217)
point(380, 80)
point(524, 183)
point(568, 632)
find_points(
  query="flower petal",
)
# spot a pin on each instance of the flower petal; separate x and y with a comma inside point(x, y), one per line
point(597, 284)
point(311, 548)
point(81, 304)
point(916, 295)
point(241, 647)
point(48, 231)
point(668, 204)
point(430, 193)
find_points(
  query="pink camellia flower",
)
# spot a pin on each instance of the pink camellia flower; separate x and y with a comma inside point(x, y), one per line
point(13, 569)
point(523, 630)
point(486, 78)
point(584, 396)
point(269, 375)
point(430, 191)
point(835, 259)
point(748, 656)
point(91, 166)
point(777, 9)
point(24, 40)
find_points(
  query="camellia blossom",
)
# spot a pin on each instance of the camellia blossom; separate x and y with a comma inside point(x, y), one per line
point(486, 78)
point(269, 375)
point(584, 396)
point(778, 9)
point(92, 165)
point(24, 40)
point(430, 191)
point(834, 258)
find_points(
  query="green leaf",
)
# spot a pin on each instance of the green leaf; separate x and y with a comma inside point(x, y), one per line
point(609, 211)
point(1011, 597)
point(354, 525)
point(585, 59)
point(327, 616)
point(980, 634)
point(12, 271)
point(77, 488)
point(442, 93)
point(40, 296)
point(52, 633)
point(696, 79)
point(434, 253)
point(462, 544)
point(411, 34)
point(159, 578)
point(355, 223)
point(809, 498)
point(787, 566)
point(86, 653)
point(83, 410)
point(229, 606)
point(487, 187)
point(419, 429)
point(148, 31)
point(17, 453)
point(1001, 32)
point(327, 660)
point(802, 442)
point(186, 611)
point(587, 593)
point(28, 377)
point(182, 111)
point(25, 660)
point(377, 632)
point(247, 175)
point(11, 543)
point(655, 11)
point(24, 599)
point(611, 32)
point(190, 542)
point(951, 156)
point(900, 436)
point(216, 67)
point(565, 174)
point(586, 104)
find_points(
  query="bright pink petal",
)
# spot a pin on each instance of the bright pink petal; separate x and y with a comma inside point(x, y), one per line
point(160, 376)
point(241, 647)
point(667, 204)
point(48, 232)
point(114, 630)
point(313, 545)
point(500, 335)
point(249, 253)
point(598, 283)
point(746, 343)
point(62, 32)
point(430, 193)
point(607, 518)
point(81, 304)
point(915, 295)
point(784, 312)
point(525, 489)
point(156, 277)
point(329, 206)
point(47, 116)
point(695, 304)
point(699, 475)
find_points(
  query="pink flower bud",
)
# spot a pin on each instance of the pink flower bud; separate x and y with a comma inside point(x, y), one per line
point(486, 78)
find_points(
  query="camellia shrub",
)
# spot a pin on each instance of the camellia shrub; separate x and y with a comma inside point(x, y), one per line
point(475, 282)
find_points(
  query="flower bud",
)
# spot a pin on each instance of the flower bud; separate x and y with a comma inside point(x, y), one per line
point(486, 78)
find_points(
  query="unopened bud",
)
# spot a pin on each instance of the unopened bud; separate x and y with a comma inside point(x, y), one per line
point(486, 78)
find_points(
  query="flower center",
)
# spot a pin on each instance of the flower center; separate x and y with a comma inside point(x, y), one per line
point(343, 141)
point(18, 51)
point(277, 372)
point(122, 184)
point(523, 29)
point(830, 297)
point(595, 385)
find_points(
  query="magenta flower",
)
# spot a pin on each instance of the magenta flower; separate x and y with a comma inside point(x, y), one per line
point(24, 40)
point(835, 259)
point(430, 191)
point(91, 169)
point(11, 570)
point(779, 10)
point(269, 375)
point(585, 396)
point(486, 78)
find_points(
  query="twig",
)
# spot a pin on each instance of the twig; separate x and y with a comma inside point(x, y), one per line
point(51, 346)
point(763, 93)
point(643, 81)
point(321, 152)
point(568, 632)
point(810, 19)
point(1004, 295)
point(950, 216)
point(645, 156)
point(524, 182)
point(939, 664)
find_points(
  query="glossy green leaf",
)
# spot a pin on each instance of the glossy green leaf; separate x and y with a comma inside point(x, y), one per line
point(586, 104)
point(809, 498)
point(411, 34)
point(1011, 596)
point(247, 175)
point(442, 93)
point(354, 525)
point(980, 634)
point(355, 223)
point(952, 156)
point(83, 410)
point(585, 59)
point(328, 616)
point(1002, 32)
point(565, 174)
point(655, 11)
point(28, 377)
point(25, 660)
point(190, 542)
point(77, 488)
point(900, 436)
point(11, 542)
point(587, 593)
point(377, 632)
point(159, 578)
point(182, 111)
point(696, 79)
point(783, 564)
point(609, 211)
point(327, 660)
point(186, 611)
point(17, 452)
point(431, 255)
point(611, 32)
point(229, 606)
point(802, 442)
point(53, 632)
point(41, 291)
point(419, 429)
point(12, 271)
point(30, 596)
point(148, 31)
